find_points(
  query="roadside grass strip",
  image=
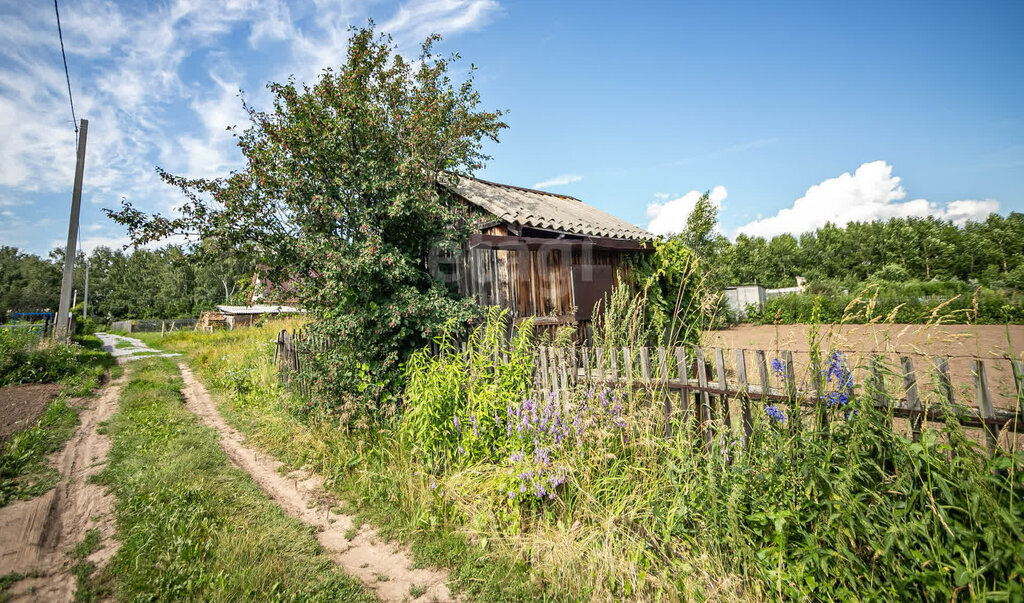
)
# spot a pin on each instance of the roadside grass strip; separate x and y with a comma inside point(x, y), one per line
point(193, 527)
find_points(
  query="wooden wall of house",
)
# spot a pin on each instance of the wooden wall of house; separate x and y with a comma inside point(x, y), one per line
point(530, 282)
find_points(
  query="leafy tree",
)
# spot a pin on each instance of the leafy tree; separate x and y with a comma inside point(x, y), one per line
point(340, 195)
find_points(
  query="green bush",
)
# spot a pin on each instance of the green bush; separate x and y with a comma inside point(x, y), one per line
point(916, 302)
point(23, 359)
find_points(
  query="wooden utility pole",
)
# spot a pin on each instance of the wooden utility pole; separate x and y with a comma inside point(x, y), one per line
point(63, 312)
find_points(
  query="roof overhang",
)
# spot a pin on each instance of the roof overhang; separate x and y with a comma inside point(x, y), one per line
point(506, 243)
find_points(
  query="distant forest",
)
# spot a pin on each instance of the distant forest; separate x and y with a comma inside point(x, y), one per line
point(912, 265)
point(908, 258)
point(989, 253)
point(163, 283)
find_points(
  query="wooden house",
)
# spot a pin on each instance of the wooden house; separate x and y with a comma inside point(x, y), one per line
point(541, 254)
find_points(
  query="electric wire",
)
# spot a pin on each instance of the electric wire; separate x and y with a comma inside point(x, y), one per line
point(67, 76)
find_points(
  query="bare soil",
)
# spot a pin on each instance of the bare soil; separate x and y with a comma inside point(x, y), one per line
point(384, 568)
point(21, 404)
point(36, 535)
point(994, 345)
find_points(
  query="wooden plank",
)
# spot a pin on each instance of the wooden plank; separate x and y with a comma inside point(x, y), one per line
point(543, 368)
point(645, 365)
point(794, 407)
point(984, 401)
point(705, 400)
point(741, 378)
point(627, 363)
point(820, 408)
point(913, 401)
point(613, 363)
point(762, 369)
point(684, 400)
point(944, 387)
point(723, 385)
point(666, 396)
point(599, 353)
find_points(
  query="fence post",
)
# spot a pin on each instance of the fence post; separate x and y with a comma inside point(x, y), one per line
point(762, 370)
point(794, 403)
point(821, 410)
point(543, 368)
point(613, 363)
point(666, 393)
point(723, 384)
point(684, 380)
point(945, 386)
point(879, 393)
point(705, 400)
point(599, 353)
point(627, 366)
point(984, 401)
point(913, 402)
point(645, 365)
point(741, 377)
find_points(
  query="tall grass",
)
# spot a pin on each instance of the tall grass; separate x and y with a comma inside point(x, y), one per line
point(586, 497)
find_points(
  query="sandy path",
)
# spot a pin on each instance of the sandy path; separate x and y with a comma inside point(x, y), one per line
point(36, 535)
point(385, 569)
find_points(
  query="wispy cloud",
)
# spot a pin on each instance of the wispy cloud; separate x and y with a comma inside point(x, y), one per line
point(159, 84)
point(559, 181)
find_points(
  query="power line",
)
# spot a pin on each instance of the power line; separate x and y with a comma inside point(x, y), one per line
point(71, 99)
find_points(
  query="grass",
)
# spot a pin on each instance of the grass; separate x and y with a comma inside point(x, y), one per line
point(193, 527)
point(370, 471)
point(83, 569)
point(78, 368)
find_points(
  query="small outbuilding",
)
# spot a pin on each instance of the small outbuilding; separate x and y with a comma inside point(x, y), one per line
point(244, 316)
point(539, 254)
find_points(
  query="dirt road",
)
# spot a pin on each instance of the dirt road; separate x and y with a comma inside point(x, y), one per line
point(385, 569)
point(36, 535)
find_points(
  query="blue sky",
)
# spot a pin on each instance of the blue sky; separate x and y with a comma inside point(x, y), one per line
point(792, 114)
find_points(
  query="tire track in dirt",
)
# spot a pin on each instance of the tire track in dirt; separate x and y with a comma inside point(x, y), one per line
point(385, 569)
point(36, 535)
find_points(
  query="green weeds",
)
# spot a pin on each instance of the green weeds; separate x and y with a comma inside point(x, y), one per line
point(24, 472)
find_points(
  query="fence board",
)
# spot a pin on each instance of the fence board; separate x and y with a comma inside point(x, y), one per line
point(984, 401)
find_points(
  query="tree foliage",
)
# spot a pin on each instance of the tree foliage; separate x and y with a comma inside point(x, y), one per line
point(339, 194)
point(163, 283)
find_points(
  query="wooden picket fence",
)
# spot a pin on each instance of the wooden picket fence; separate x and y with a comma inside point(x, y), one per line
point(697, 382)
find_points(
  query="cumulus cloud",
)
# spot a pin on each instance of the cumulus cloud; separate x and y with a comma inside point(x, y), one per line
point(670, 217)
point(870, 193)
point(559, 180)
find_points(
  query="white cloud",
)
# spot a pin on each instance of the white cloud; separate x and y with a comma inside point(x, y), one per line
point(870, 193)
point(559, 180)
point(670, 217)
point(662, 196)
point(134, 77)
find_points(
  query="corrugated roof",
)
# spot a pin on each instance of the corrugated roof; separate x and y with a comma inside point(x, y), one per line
point(540, 209)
